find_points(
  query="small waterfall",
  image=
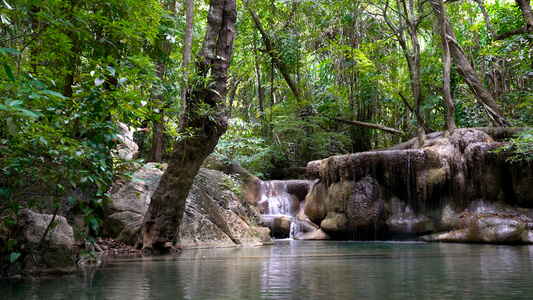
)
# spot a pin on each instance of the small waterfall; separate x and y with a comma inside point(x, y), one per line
point(280, 202)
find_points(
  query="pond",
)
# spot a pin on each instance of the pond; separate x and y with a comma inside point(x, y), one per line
point(302, 270)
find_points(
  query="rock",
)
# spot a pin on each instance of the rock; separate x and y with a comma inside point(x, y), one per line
point(263, 233)
point(455, 188)
point(334, 222)
point(134, 196)
point(280, 226)
point(33, 226)
point(116, 222)
point(217, 214)
point(317, 234)
point(53, 255)
point(314, 208)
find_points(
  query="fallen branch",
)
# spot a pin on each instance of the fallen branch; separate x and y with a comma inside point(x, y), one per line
point(369, 125)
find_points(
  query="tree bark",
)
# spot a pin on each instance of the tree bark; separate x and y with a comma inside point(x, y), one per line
point(440, 12)
point(465, 70)
point(260, 93)
point(206, 121)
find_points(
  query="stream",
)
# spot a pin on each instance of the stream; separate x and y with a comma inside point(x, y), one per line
point(301, 270)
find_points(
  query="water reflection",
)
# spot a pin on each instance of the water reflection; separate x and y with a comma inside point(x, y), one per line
point(302, 270)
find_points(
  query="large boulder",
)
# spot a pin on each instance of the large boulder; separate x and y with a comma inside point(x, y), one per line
point(53, 255)
point(217, 213)
point(129, 202)
point(454, 188)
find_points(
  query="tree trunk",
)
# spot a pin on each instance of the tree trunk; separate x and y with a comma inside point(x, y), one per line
point(465, 70)
point(440, 12)
point(260, 93)
point(187, 52)
point(275, 57)
point(158, 137)
point(158, 130)
point(206, 121)
point(412, 56)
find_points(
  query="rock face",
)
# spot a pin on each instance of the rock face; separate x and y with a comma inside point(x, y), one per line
point(216, 215)
point(452, 189)
point(53, 255)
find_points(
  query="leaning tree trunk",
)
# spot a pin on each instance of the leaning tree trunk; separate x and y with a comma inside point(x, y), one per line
point(465, 70)
point(206, 121)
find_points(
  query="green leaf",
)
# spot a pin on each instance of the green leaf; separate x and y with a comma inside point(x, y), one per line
point(13, 127)
point(9, 73)
point(49, 92)
point(111, 70)
point(14, 102)
point(28, 113)
point(10, 244)
point(14, 256)
point(9, 50)
point(43, 140)
point(72, 200)
point(99, 80)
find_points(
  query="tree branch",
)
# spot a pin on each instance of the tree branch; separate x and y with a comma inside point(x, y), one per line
point(369, 125)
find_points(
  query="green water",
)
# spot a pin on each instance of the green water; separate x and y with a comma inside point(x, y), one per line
point(302, 270)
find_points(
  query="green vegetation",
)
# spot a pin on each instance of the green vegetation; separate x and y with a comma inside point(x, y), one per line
point(72, 69)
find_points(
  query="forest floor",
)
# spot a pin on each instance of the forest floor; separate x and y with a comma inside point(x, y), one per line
point(110, 246)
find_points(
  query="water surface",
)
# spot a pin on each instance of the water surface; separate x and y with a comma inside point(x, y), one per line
point(302, 270)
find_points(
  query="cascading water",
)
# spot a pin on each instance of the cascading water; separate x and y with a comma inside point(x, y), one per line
point(280, 206)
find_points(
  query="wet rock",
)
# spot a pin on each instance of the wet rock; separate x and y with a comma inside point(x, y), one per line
point(439, 191)
point(334, 222)
point(314, 208)
point(317, 234)
point(280, 226)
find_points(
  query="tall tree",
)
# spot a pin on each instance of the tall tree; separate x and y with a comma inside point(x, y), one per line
point(205, 122)
point(440, 12)
point(163, 51)
point(274, 54)
point(187, 52)
point(409, 17)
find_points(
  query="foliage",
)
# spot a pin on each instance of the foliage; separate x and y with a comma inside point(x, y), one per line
point(240, 144)
point(70, 71)
point(521, 147)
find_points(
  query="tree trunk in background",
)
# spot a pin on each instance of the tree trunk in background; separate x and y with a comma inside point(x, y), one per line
point(259, 89)
point(412, 56)
point(187, 52)
point(465, 70)
point(440, 12)
point(275, 57)
point(158, 130)
point(200, 134)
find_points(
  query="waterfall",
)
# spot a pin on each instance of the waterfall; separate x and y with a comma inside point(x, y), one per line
point(280, 202)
